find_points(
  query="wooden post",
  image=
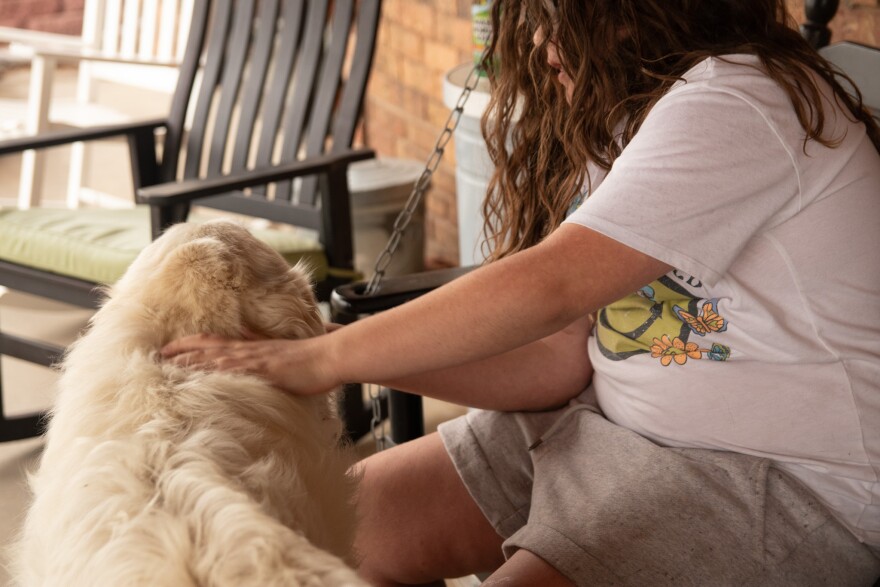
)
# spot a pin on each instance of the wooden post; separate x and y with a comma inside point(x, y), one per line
point(819, 13)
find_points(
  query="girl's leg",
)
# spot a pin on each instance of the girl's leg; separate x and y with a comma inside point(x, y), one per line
point(416, 521)
point(526, 569)
point(418, 524)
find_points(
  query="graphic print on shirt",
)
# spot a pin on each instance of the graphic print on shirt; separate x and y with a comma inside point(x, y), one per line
point(661, 319)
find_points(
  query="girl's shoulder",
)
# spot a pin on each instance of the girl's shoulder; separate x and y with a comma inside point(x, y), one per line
point(741, 72)
point(728, 84)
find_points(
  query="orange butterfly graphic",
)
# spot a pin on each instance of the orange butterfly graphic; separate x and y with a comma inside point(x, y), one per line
point(707, 320)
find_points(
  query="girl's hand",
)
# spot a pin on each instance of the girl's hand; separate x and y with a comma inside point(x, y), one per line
point(300, 367)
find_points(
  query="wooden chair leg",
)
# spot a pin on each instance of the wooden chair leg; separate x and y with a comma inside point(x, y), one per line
point(21, 427)
point(355, 413)
point(40, 93)
point(406, 416)
point(75, 175)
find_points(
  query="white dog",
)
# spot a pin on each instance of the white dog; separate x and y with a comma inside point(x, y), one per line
point(157, 475)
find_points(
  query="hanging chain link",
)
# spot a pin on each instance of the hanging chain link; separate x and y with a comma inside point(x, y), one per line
point(419, 188)
point(377, 422)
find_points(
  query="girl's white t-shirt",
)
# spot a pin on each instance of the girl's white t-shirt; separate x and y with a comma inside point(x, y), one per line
point(765, 338)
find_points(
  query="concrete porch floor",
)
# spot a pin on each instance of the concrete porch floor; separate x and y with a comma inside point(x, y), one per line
point(27, 387)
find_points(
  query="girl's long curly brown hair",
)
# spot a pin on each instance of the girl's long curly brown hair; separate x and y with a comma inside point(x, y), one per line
point(622, 56)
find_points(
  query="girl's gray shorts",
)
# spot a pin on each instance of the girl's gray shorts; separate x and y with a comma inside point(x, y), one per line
point(605, 506)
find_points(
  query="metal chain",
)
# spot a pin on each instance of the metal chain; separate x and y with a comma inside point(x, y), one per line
point(377, 422)
point(419, 188)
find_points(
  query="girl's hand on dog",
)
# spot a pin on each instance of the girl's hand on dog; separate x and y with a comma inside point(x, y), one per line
point(297, 366)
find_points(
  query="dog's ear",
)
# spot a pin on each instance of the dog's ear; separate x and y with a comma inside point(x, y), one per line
point(285, 306)
point(300, 276)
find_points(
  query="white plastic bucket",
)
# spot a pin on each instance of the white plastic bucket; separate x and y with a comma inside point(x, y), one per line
point(379, 190)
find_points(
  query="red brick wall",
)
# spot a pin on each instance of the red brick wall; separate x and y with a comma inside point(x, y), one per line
point(55, 16)
point(418, 41)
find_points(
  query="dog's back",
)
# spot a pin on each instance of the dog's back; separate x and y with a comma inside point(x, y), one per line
point(155, 475)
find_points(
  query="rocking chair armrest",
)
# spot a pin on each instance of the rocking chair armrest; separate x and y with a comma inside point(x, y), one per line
point(76, 54)
point(182, 192)
point(30, 37)
point(54, 139)
point(350, 299)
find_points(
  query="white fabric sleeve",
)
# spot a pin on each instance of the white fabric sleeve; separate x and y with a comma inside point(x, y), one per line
point(705, 172)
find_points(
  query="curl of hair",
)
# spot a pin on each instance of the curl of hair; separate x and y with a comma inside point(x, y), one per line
point(622, 56)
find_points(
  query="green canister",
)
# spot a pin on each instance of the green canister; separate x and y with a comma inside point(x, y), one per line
point(481, 20)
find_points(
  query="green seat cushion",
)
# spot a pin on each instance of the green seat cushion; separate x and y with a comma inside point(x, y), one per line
point(98, 244)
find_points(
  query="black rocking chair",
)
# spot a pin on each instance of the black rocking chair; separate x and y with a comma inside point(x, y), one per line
point(275, 89)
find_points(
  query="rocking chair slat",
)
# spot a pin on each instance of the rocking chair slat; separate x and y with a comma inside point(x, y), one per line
point(306, 69)
point(180, 101)
point(210, 78)
point(361, 59)
point(332, 75)
point(324, 101)
point(233, 71)
point(292, 24)
point(253, 87)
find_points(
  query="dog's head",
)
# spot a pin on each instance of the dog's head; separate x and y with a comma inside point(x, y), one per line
point(218, 278)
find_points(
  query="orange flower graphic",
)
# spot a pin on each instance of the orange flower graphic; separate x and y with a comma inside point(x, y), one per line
point(674, 350)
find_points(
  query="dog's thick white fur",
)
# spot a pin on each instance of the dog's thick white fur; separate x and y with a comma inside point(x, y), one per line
point(158, 475)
